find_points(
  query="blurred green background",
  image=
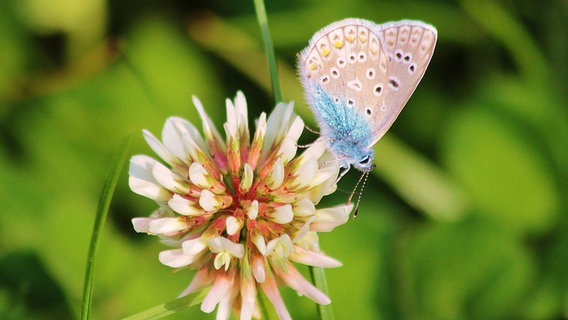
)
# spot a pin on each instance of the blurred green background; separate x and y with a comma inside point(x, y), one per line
point(466, 216)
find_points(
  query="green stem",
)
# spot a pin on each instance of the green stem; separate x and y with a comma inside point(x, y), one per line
point(102, 212)
point(325, 312)
point(268, 48)
point(318, 275)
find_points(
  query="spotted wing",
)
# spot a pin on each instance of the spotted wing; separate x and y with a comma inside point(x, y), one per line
point(408, 46)
point(345, 59)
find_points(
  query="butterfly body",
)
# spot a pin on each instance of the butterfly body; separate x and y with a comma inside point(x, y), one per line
point(346, 131)
point(358, 76)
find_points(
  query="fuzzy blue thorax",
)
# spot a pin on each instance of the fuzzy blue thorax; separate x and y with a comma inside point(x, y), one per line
point(345, 129)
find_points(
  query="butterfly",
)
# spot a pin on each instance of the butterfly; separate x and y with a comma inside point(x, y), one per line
point(358, 76)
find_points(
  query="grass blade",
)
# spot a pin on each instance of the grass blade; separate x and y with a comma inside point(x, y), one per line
point(268, 49)
point(102, 212)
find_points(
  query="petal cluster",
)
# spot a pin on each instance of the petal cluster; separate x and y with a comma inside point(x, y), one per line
point(239, 209)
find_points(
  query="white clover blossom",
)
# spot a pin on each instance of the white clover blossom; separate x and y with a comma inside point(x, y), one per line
point(239, 211)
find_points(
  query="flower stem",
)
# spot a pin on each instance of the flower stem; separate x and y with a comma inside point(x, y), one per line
point(318, 275)
point(325, 312)
point(268, 48)
point(102, 211)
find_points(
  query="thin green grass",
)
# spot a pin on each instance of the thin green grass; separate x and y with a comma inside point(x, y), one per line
point(268, 49)
point(102, 211)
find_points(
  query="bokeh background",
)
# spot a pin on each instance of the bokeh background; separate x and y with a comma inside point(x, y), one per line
point(465, 217)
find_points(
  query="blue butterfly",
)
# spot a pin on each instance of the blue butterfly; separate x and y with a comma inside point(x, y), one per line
point(358, 76)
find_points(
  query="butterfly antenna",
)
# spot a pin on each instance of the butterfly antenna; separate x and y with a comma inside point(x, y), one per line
point(366, 175)
point(355, 189)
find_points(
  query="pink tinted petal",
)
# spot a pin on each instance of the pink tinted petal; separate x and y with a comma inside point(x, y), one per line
point(142, 181)
point(248, 296)
point(283, 214)
point(329, 218)
point(185, 206)
point(219, 244)
point(211, 202)
point(281, 246)
point(173, 140)
point(304, 229)
point(312, 258)
point(277, 124)
point(260, 244)
point(276, 176)
point(304, 208)
point(271, 289)
point(159, 148)
point(213, 137)
point(224, 309)
point(168, 179)
point(258, 269)
point(238, 115)
point(175, 258)
point(141, 224)
point(193, 246)
point(201, 280)
point(233, 147)
point(256, 147)
point(296, 128)
point(167, 226)
point(296, 281)
point(323, 175)
point(185, 128)
point(221, 286)
point(315, 150)
point(287, 150)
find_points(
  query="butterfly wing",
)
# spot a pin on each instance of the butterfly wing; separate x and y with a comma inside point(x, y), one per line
point(408, 46)
point(359, 75)
point(344, 59)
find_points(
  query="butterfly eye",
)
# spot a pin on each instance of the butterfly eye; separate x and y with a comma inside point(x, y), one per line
point(365, 161)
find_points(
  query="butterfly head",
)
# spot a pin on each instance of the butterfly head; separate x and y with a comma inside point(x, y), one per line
point(365, 163)
point(350, 149)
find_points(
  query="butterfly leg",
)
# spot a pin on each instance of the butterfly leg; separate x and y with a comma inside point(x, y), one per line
point(304, 146)
point(311, 130)
point(342, 173)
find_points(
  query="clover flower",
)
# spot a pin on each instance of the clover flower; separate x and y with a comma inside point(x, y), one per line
point(239, 211)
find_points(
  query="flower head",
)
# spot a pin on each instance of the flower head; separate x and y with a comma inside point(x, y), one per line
point(240, 210)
